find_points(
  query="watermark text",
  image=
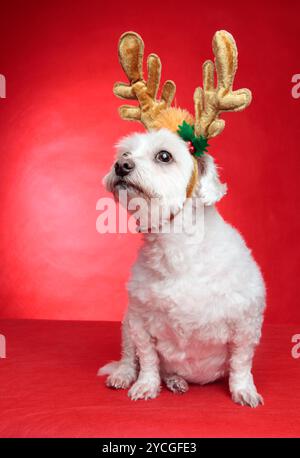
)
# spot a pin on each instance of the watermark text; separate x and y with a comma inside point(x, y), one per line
point(2, 87)
point(2, 346)
point(149, 215)
point(296, 348)
point(296, 87)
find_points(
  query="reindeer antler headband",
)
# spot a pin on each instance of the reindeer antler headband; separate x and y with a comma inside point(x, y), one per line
point(210, 101)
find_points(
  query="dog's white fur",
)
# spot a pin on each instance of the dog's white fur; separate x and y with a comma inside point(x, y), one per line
point(195, 309)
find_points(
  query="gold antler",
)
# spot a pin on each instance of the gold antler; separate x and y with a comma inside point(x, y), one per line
point(131, 51)
point(211, 101)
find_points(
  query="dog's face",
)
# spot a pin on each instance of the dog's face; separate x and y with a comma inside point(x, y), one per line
point(152, 165)
point(157, 166)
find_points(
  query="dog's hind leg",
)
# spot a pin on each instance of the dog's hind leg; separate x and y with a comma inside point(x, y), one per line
point(175, 383)
point(121, 374)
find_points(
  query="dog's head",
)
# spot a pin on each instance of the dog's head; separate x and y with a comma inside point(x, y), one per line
point(170, 161)
point(158, 164)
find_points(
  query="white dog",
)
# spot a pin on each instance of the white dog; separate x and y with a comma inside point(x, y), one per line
point(195, 309)
point(196, 299)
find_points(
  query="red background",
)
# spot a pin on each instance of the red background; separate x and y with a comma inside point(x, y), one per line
point(59, 123)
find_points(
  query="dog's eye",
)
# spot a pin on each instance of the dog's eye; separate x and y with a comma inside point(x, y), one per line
point(125, 154)
point(164, 156)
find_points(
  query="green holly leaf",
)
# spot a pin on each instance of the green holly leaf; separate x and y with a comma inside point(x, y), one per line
point(186, 131)
point(200, 144)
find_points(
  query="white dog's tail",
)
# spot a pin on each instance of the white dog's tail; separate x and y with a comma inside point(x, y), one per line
point(108, 368)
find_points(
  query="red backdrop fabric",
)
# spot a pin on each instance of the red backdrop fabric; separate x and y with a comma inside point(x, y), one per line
point(59, 123)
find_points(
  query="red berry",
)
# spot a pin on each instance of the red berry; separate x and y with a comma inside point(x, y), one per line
point(191, 147)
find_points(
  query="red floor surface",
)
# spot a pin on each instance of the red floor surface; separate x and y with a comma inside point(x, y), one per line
point(49, 388)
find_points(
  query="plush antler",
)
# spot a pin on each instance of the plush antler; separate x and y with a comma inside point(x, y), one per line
point(131, 51)
point(211, 101)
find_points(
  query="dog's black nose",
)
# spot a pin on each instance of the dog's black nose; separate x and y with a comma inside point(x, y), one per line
point(124, 166)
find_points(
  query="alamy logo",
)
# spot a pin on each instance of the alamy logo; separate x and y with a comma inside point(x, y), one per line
point(296, 348)
point(149, 215)
point(2, 87)
point(296, 87)
point(2, 346)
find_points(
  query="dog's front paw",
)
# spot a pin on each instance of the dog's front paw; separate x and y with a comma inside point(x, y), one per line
point(247, 397)
point(144, 390)
point(121, 378)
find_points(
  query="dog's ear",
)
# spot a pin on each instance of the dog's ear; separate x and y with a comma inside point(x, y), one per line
point(210, 189)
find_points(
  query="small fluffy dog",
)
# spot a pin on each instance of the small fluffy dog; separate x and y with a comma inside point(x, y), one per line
point(195, 303)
